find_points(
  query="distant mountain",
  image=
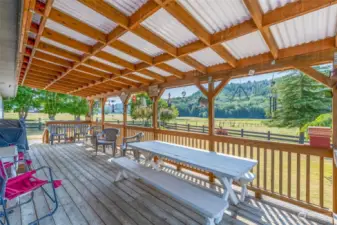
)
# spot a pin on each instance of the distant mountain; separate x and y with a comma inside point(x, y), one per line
point(245, 100)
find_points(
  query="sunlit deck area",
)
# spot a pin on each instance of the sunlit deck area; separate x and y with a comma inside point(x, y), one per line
point(89, 196)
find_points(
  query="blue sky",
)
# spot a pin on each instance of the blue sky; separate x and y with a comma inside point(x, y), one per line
point(176, 92)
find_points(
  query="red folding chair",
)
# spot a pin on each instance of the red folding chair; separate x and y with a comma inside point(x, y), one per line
point(23, 184)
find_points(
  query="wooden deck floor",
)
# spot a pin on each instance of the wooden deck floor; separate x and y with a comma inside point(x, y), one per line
point(89, 196)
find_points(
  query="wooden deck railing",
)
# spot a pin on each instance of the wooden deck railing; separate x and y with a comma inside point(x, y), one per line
point(298, 174)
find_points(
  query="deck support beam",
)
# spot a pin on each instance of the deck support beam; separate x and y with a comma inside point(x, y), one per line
point(103, 100)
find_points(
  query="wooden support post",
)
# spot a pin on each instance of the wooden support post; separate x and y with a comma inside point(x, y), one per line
point(91, 110)
point(334, 141)
point(103, 100)
point(125, 99)
point(211, 97)
point(155, 116)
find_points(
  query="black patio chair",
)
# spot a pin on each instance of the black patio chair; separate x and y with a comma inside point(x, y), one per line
point(108, 137)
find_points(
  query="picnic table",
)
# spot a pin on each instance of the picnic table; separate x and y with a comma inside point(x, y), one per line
point(226, 168)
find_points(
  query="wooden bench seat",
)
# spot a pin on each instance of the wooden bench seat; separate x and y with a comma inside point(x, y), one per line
point(203, 201)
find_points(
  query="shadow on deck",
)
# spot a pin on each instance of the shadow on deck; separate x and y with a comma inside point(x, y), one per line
point(89, 196)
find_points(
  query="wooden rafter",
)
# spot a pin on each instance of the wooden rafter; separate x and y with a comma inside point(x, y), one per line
point(257, 15)
point(316, 75)
point(48, 7)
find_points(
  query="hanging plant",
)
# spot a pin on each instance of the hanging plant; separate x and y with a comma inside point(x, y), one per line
point(203, 102)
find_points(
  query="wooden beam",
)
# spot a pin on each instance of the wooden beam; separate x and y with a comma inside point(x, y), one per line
point(257, 14)
point(144, 12)
point(74, 24)
point(175, 72)
point(293, 10)
point(225, 54)
point(102, 66)
point(94, 71)
point(108, 11)
point(138, 78)
point(188, 21)
point(27, 16)
point(65, 40)
point(46, 13)
point(58, 51)
point(47, 65)
point(221, 86)
point(116, 60)
point(153, 75)
point(155, 40)
point(234, 32)
point(316, 75)
point(127, 82)
point(121, 46)
point(52, 59)
point(200, 87)
point(194, 63)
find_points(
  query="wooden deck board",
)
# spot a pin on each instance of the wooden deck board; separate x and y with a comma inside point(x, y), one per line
point(89, 196)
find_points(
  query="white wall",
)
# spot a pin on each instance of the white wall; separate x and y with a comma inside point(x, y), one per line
point(1, 108)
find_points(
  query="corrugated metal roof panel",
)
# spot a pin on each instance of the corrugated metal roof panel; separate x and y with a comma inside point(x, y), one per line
point(207, 57)
point(54, 55)
point(180, 65)
point(96, 68)
point(70, 33)
point(248, 45)
point(128, 7)
point(143, 76)
point(65, 47)
point(169, 28)
point(107, 62)
point(121, 55)
point(141, 44)
point(126, 78)
point(31, 35)
point(159, 71)
point(269, 5)
point(36, 18)
point(310, 27)
point(217, 15)
point(85, 14)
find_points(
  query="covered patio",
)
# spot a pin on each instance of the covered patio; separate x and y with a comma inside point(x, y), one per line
point(101, 49)
point(89, 196)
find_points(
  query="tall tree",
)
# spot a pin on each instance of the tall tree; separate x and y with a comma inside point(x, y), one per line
point(26, 98)
point(53, 103)
point(76, 106)
point(301, 100)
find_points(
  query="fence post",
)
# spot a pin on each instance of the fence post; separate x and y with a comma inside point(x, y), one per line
point(268, 135)
point(203, 128)
point(241, 132)
point(188, 127)
point(40, 124)
point(176, 126)
point(301, 138)
point(117, 121)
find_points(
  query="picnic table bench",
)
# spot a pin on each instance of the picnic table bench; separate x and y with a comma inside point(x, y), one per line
point(205, 202)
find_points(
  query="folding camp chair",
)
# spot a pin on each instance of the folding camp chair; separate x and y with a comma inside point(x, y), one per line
point(23, 184)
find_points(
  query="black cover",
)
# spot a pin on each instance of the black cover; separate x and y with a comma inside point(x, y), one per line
point(13, 132)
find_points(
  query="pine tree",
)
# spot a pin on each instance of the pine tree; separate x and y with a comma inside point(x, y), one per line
point(301, 100)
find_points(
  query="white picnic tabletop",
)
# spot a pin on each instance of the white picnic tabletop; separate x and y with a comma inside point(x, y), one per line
point(220, 164)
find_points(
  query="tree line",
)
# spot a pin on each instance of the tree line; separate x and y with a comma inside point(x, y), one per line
point(51, 103)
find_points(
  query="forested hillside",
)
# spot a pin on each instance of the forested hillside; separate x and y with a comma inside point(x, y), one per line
point(245, 100)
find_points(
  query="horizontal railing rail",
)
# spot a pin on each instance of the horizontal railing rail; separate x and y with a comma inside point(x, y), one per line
point(296, 173)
